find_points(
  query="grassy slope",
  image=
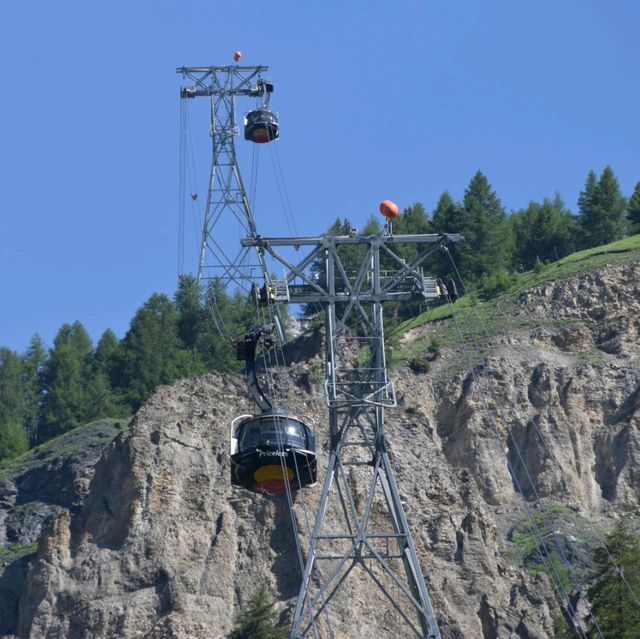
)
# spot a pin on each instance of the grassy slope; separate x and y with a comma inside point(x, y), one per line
point(65, 445)
point(496, 315)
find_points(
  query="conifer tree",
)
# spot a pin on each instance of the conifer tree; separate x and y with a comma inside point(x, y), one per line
point(11, 395)
point(633, 211)
point(33, 367)
point(543, 232)
point(585, 200)
point(104, 400)
point(613, 592)
point(153, 353)
point(107, 357)
point(67, 375)
point(413, 220)
point(13, 438)
point(447, 218)
point(149, 345)
point(602, 210)
point(218, 320)
point(259, 622)
point(191, 314)
point(488, 245)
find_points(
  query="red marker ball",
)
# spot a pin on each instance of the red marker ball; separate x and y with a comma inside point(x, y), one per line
point(237, 55)
point(389, 209)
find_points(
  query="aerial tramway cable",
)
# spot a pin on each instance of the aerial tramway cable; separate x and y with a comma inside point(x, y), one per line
point(269, 366)
point(282, 190)
point(188, 177)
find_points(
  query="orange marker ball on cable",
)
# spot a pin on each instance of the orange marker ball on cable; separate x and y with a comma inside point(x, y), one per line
point(389, 209)
point(237, 55)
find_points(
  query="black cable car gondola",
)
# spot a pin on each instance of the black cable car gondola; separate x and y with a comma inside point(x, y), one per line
point(273, 449)
point(261, 126)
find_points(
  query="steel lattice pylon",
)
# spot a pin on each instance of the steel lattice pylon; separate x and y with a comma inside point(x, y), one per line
point(227, 205)
point(368, 530)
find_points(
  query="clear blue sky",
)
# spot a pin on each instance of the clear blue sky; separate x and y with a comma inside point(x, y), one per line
point(398, 100)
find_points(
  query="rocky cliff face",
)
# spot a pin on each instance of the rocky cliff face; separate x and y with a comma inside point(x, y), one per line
point(152, 541)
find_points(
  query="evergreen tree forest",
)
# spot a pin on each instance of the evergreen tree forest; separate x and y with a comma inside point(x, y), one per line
point(47, 391)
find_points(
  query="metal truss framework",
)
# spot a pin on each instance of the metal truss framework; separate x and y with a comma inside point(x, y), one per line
point(227, 202)
point(356, 529)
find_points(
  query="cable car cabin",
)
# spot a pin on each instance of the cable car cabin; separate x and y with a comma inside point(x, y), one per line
point(261, 126)
point(270, 449)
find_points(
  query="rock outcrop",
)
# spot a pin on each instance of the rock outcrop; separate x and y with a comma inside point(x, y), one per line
point(152, 541)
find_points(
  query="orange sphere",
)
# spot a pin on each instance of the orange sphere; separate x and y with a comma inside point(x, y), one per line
point(237, 55)
point(389, 209)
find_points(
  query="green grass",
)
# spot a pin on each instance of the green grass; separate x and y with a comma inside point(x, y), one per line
point(13, 552)
point(558, 574)
point(484, 318)
point(66, 445)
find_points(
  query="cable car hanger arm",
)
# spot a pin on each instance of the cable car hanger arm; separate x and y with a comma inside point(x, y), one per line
point(246, 350)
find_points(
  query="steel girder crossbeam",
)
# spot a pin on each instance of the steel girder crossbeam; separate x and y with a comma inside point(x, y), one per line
point(370, 530)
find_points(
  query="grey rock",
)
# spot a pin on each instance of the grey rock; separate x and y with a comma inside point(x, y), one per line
point(151, 541)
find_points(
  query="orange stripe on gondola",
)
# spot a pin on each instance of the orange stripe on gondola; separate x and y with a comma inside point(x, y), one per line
point(271, 480)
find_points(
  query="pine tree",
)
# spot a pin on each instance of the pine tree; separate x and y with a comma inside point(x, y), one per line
point(107, 357)
point(104, 398)
point(585, 207)
point(602, 210)
point(259, 620)
point(11, 395)
point(412, 221)
point(13, 438)
point(67, 376)
point(633, 210)
point(585, 200)
point(542, 232)
point(614, 590)
point(33, 366)
point(220, 320)
point(447, 218)
point(191, 314)
point(150, 346)
point(488, 246)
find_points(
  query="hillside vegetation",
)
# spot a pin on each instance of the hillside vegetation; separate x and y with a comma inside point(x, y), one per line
point(481, 316)
point(47, 391)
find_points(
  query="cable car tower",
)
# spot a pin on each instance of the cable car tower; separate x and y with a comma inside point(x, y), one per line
point(365, 527)
point(227, 206)
point(360, 523)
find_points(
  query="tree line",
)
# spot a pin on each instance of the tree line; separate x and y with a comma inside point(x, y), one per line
point(498, 245)
point(45, 392)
